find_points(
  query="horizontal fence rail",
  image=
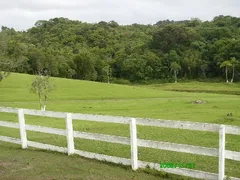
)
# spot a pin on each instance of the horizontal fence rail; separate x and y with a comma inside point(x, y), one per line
point(178, 147)
point(102, 137)
point(125, 120)
point(126, 141)
point(133, 141)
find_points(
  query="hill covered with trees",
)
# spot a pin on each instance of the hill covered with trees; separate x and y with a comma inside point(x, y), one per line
point(190, 49)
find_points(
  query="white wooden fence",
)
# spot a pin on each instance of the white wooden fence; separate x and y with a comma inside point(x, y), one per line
point(133, 141)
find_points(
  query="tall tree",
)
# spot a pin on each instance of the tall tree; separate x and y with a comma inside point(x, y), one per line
point(7, 61)
point(175, 68)
point(234, 63)
point(108, 71)
point(191, 62)
point(204, 67)
point(171, 37)
point(5, 68)
point(84, 66)
point(226, 65)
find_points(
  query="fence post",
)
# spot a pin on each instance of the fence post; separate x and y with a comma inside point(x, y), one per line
point(70, 139)
point(22, 129)
point(221, 165)
point(134, 148)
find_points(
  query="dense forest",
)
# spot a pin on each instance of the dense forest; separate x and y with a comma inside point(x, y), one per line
point(107, 51)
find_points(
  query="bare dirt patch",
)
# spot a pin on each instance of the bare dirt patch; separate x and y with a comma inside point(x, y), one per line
point(199, 102)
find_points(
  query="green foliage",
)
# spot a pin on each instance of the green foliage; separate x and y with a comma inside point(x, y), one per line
point(84, 67)
point(105, 50)
point(225, 64)
point(171, 37)
point(5, 68)
point(5, 63)
point(175, 66)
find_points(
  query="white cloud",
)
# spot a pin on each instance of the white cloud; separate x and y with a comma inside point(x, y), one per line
point(22, 14)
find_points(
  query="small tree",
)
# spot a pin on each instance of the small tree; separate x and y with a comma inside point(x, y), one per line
point(226, 65)
point(175, 67)
point(42, 86)
point(107, 69)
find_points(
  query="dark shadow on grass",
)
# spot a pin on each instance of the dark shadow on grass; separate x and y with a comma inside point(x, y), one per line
point(205, 91)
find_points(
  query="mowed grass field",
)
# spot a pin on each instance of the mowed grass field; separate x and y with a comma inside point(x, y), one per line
point(155, 101)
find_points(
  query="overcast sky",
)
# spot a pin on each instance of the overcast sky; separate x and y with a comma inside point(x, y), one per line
point(22, 14)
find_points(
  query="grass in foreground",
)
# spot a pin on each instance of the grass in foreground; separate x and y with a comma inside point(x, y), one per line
point(100, 98)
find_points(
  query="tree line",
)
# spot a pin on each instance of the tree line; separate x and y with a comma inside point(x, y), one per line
point(107, 51)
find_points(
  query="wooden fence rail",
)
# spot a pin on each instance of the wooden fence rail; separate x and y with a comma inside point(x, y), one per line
point(133, 141)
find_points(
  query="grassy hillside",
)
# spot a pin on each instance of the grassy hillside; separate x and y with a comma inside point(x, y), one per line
point(111, 99)
point(66, 89)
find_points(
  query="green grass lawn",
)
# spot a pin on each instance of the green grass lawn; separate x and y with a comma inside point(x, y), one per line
point(148, 101)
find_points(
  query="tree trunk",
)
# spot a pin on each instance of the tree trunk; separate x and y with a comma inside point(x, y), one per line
point(233, 74)
point(190, 72)
point(175, 75)
point(44, 103)
point(108, 76)
point(40, 101)
point(226, 71)
point(203, 73)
